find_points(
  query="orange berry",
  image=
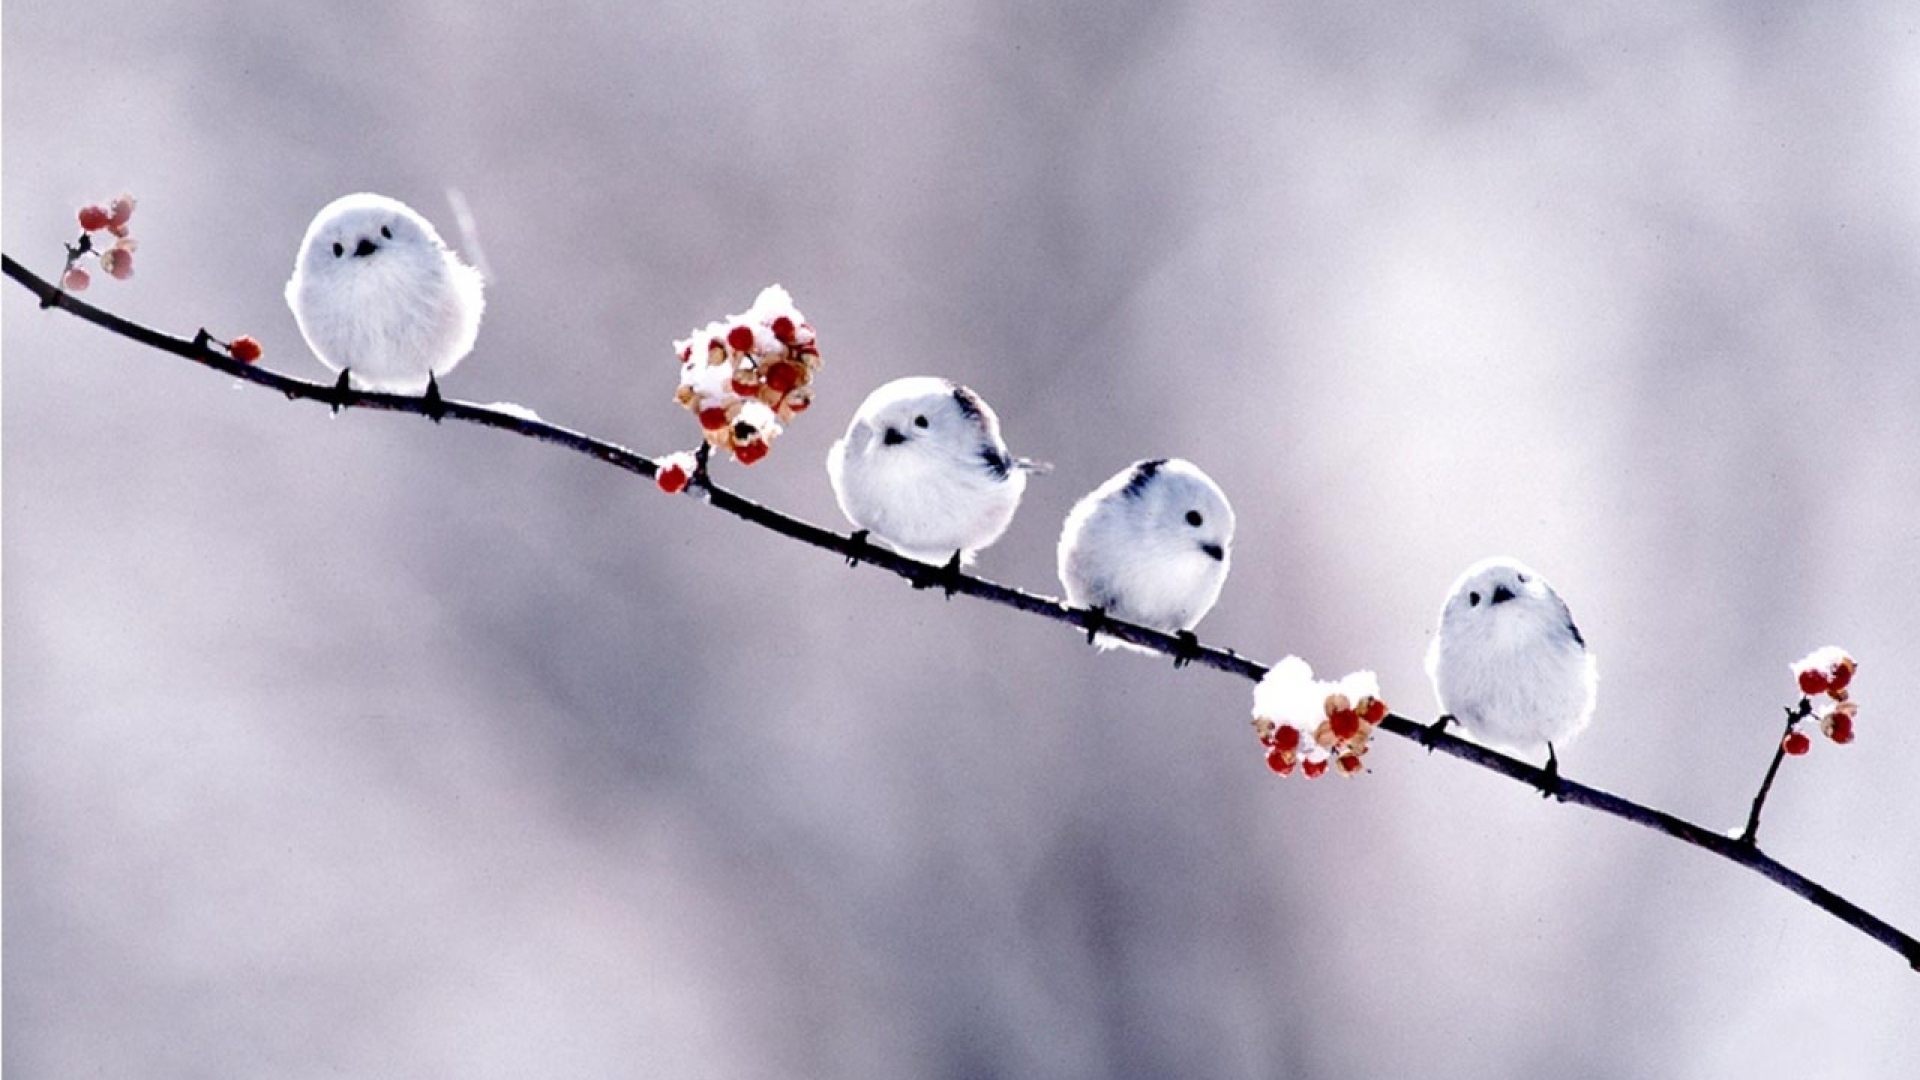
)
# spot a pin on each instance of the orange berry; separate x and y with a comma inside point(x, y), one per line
point(1797, 743)
point(782, 377)
point(1338, 703)
point(93, 218)
point(1839, 727)
point(118, 263)
point(1813, 682)
point(244, 349)
point(75, 280)
point(672, 479)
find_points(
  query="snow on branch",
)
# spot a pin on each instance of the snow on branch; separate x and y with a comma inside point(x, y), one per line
point(236, 359)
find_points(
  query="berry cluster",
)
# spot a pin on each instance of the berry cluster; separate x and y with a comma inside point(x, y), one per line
point(1824, 675)
point(746, 376)
point(116, 259)
point(1315, 725)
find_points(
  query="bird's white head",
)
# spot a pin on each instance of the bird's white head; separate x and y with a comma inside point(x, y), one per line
point(355, 234)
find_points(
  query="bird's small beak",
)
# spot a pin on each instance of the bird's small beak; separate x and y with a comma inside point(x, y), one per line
point(364, 248)
point(1501, 594)
point(1214, 552)
point(893, 437)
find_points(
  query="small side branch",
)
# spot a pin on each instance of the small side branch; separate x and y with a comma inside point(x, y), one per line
point(1752, 832)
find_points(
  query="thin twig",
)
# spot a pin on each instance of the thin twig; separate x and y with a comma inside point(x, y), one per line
point(1742, 850)
point(1752, 832)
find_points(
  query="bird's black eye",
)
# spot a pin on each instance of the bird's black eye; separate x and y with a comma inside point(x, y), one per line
point(1194, 519)
point(1522, 577)
point(338, 250)
point(1473, 599)
point(386, 232)
point(919, 421)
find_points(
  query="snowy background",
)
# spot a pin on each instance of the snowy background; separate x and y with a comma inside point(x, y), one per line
point(358, 746)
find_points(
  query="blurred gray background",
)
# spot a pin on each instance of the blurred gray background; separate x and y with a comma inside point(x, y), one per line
point(362, 747)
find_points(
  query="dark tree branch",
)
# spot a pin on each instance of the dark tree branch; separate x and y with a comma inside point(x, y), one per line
point(1744, 851)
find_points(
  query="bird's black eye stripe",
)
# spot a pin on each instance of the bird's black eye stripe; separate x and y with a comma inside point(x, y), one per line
point(338, 250)
point(920, 421)
point(1473, 599)
point(386, 232)
point(1194, 519)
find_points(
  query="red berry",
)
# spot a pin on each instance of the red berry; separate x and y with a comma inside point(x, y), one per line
point(93, 218)
point(798, 402)
point(1839, 677)
point(76, 280)
point(782, 377)
point(1839, 728)
point(1797, 743)
point(1375, 711)
point(120, 210)
point(1286, 737)
point(1280, 761)
point(1813, 681)
point(744, 389)
point(748, 453)
point(686, 354)
point(741, 338)
point(713, 419)
point(672, 479)
point(1345, 724)
point(1349, 764)
point(1314, 766)
point(117, 262)
point(783, 330)
point(244, 349)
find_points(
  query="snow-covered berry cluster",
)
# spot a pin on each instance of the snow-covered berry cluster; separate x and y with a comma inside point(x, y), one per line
point(1823, 676)
point(116, 258)
point(1315, 725)
point(749, 374)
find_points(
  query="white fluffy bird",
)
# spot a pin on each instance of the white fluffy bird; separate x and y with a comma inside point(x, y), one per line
point(1508, 663)
point(1151, 546)
point(922, 467)
point(380, 299)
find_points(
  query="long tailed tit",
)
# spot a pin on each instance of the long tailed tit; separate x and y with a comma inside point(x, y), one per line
point(380, 299)
point(1152, 546)
point(923, 468)
point(1508, 662)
